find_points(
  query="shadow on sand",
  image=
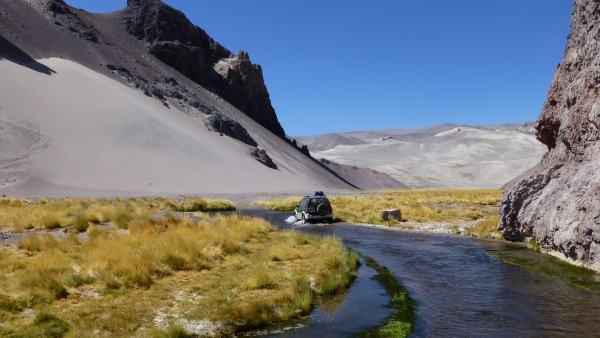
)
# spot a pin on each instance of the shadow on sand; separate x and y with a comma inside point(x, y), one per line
point(12, 53)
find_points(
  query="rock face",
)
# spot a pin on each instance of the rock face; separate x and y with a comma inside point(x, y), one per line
point(559, 203)
point(176, 41)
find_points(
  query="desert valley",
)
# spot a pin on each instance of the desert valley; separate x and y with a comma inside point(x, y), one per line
point(149, 190)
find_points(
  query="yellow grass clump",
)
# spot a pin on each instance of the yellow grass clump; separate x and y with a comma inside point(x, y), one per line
point(280, 204)
point(21, 214)
point(164, 271)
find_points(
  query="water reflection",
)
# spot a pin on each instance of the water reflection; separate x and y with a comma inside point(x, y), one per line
point(342, 315)
point(460, 290)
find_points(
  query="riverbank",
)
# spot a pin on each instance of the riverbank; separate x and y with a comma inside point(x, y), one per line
point(464, 212)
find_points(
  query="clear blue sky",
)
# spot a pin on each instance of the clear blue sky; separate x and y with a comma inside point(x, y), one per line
point(345, 65)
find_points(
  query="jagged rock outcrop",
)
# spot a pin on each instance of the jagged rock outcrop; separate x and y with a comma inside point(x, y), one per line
point(559, 204)
point(261, 156)
point(176, 41)
point(224, 125)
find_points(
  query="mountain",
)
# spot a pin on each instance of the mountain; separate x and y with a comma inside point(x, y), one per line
point(135, 102)
point(440, 156)
point(557, 203)
point(364, 178)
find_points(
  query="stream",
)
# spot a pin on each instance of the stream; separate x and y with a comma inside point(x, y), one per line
point(459, 289)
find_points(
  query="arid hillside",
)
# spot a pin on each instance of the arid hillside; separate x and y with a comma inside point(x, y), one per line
point(135, 102)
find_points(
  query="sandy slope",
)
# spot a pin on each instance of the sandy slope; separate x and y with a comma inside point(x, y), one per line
point(76, 131)
point(445, 156)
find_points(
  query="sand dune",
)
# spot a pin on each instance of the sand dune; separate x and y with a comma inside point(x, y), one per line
point(78, 131)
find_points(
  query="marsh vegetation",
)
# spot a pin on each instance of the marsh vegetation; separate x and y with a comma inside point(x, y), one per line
point(154, 272)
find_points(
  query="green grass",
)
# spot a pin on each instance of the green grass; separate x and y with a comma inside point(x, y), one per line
point(45, 325)
point(551, 267)
point(81, 223)
point(400, 323)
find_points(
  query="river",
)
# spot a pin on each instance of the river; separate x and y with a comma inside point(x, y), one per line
point(460, 290)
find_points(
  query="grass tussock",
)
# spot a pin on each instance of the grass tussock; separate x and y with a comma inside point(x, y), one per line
point(280, 204)
point(486, 228)
point(234, 270)
point(21, 214)
point(476, 208)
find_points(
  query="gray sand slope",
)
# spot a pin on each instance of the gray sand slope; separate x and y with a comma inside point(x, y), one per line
point(75, 118)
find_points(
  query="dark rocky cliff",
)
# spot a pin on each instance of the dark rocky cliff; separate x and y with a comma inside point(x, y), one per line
point(172, 38)
point(559, 203)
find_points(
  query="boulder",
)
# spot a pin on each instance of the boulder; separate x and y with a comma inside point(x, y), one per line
point(391, 215)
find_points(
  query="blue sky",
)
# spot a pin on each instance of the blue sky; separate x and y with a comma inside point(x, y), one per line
point(346, 65)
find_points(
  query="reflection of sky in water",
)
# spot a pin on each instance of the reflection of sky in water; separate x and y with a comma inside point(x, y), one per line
point(459, 289)
point(363, 306)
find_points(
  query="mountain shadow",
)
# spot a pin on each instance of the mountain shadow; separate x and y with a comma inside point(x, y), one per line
point(12, 53)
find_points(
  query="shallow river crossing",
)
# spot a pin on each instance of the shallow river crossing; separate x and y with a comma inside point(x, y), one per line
point(460, 290)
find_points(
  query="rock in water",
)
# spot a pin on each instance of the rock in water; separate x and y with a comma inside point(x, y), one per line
point(559, 203)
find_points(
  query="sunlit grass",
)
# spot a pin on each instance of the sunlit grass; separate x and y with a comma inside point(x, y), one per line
point(280, 204)
point(477, 208)
point(21, 214)
point(236, 271)
point(486, 228)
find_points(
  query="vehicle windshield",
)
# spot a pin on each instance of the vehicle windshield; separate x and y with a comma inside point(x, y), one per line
point(315, 201)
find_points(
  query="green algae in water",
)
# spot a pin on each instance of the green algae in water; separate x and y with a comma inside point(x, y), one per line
point(400, 323)
point(551, 267)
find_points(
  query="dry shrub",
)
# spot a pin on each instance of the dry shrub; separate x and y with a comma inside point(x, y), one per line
point(37, 243)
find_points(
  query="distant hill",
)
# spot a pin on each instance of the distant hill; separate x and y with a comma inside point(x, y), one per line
point(440, 156)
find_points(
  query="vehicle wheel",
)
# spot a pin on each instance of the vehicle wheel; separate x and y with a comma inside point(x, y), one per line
point(329, 220)
point(322, 209)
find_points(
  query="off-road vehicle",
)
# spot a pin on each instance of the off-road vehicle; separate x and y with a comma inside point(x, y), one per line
point(314, 208)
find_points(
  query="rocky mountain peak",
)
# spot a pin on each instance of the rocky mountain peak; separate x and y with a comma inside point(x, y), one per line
point(135, 3)
point(243, 55)
point(177, 42)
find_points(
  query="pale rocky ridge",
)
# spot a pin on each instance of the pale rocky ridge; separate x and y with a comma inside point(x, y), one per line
point(558, 204)
point(440, 156)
